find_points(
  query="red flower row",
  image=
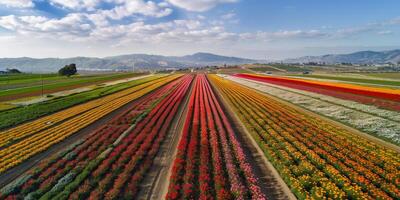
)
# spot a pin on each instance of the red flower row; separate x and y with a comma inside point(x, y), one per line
point(210, 160)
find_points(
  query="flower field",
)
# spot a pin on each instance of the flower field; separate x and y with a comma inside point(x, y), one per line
point(22, 142)
point(111, 162)
point(315, 158)
point(210, 163)
point(380, 97)
point(378, 122)
point(199, 136)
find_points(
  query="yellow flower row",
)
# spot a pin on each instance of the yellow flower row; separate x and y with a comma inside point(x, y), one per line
point(17, 153)
point(314, 157)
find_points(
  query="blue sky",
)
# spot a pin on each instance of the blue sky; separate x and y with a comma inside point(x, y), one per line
point(263, 29)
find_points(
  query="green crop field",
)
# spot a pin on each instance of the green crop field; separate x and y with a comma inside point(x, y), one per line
point(233, 70)
point(264, 69)
point(14, 81)
point(25, 85)
point(290, 68)
point(391, 75)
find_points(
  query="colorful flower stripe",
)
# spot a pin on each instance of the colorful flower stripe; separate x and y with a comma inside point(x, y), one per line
point(222, 173)
point(360, 116)
point(316, 159)
point(28, 129)
point(383, 93)
point(380, 103)
point(114, 173)
point(18, 152)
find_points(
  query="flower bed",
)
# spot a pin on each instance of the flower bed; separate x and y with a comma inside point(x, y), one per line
point(210, 163)
point(111, 162)
point(22, 142)
point(380, 97)
point(369, 119)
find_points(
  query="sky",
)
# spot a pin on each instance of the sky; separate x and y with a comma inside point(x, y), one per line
point(259, 29)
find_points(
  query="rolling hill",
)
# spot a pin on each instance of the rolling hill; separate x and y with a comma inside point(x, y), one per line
point(361, 57)
point(122, 62)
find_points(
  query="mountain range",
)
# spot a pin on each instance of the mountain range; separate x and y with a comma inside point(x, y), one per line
point(157, 62)
point(361, 57)
point(122, 62)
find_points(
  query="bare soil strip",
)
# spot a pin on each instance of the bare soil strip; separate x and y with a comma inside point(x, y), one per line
point(155, 184)
point(272, 184)
point(20, 169)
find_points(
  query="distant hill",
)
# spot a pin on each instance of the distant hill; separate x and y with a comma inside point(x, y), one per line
point(122, 62)
point(361, 57)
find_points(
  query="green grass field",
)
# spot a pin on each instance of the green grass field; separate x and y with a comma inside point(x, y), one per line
point(18, 115)
point(264, 69)
point(391, 75)
point(233, 70)
point(26, 84)
point(351, 79)
point(277, 68)
point(22, 80)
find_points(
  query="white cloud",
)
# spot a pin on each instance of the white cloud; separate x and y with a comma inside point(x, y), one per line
point(387, 32)
point(229, 15)
point(76, 4)
point(297, 34)
point(71, 27)
point(121, 9)
point(228, 18)
point(87, 16)
point(201, 17)
point(89, 27)
point(130, 7)
point(283, 35)
point(82, 27)
point(377, 27)
point(355, 30)
point(17, 3)
point(199, 5)
point(177, 31)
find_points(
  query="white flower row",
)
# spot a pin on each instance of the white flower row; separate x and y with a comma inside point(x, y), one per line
point(366, 118)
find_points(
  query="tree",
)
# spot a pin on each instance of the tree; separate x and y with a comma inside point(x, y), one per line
point(68, 70)
point(13, 71)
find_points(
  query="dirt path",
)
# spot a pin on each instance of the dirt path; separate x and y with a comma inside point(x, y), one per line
point(270, 180)
point(155, 184)
point(20, 169)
